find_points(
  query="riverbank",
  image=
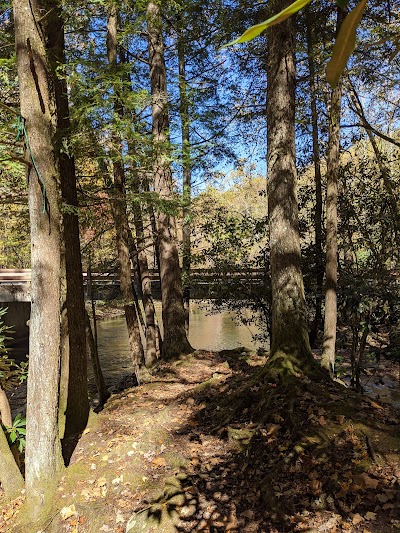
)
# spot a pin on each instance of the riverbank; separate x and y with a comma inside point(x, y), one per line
point(181, 453)
point(106, 310)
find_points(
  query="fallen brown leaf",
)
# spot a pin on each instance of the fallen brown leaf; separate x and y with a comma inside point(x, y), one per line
point(357, 519)
point(159, 461)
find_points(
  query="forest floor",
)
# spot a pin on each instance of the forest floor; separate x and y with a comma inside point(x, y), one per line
point(206, 445)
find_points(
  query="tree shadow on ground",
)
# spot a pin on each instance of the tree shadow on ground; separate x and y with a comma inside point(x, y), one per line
point(273, 458)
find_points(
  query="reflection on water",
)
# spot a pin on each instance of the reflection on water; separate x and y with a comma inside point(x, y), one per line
point(207, 332)
point(217, 331)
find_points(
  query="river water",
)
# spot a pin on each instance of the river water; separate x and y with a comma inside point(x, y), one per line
point(214, 332)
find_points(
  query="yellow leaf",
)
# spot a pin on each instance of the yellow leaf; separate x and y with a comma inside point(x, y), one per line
point(272, 429)
point(375, 405)
point(252, 32)
point(159, 461)
point(67, 512)
point(344, 45)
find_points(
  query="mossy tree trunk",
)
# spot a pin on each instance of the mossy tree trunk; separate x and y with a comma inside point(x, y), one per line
point(39, 109)
point(175, 341)
point(290, 348)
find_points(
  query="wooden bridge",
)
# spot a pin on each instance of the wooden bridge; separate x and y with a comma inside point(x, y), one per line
point(15, 284)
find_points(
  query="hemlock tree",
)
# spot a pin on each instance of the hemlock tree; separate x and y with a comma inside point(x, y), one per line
point(186, 169)
point(55, 254)
point(175, 341)
point(152, 330)
point(39, 111)
point(119, 208)
point(317, 176)
point(331, 266)
point(74, 360)
point(290, 348)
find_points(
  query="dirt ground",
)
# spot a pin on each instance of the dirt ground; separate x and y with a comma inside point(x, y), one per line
point(207, 445)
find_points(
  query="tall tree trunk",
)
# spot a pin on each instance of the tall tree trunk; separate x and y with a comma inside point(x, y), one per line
point(77, 402)
point(317, 325)
point(119, 211)
point(331, 267)
point(175, 341)
point(133, 255)
point(290, 348)
point(152, 330)
point(154, 231)
point(11, 479)
point(38, 107)
point(186, 168)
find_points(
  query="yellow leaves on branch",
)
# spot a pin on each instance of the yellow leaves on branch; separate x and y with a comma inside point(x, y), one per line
point(345, 44)
point(343, 47)
point(254, 31)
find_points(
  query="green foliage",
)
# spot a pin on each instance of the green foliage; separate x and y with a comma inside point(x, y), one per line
point(231, 236)
point(16, 434)
point(11, 374)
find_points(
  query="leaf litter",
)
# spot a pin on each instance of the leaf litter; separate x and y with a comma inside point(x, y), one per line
point(208, 446)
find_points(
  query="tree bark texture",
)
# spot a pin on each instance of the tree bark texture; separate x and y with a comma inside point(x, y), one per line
point(39, 109)
point(317, 325)
point(290, 348)
point(119, 211)
point(77, 402)
point(152, 331)
point(5, 410)
point(186, 171)
point(331, 266)
point(175, 341)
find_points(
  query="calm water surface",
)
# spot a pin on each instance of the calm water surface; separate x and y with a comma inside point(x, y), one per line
point(207, 332)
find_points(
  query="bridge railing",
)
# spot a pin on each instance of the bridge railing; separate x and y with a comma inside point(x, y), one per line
point(15, 275)
point(9, 275)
